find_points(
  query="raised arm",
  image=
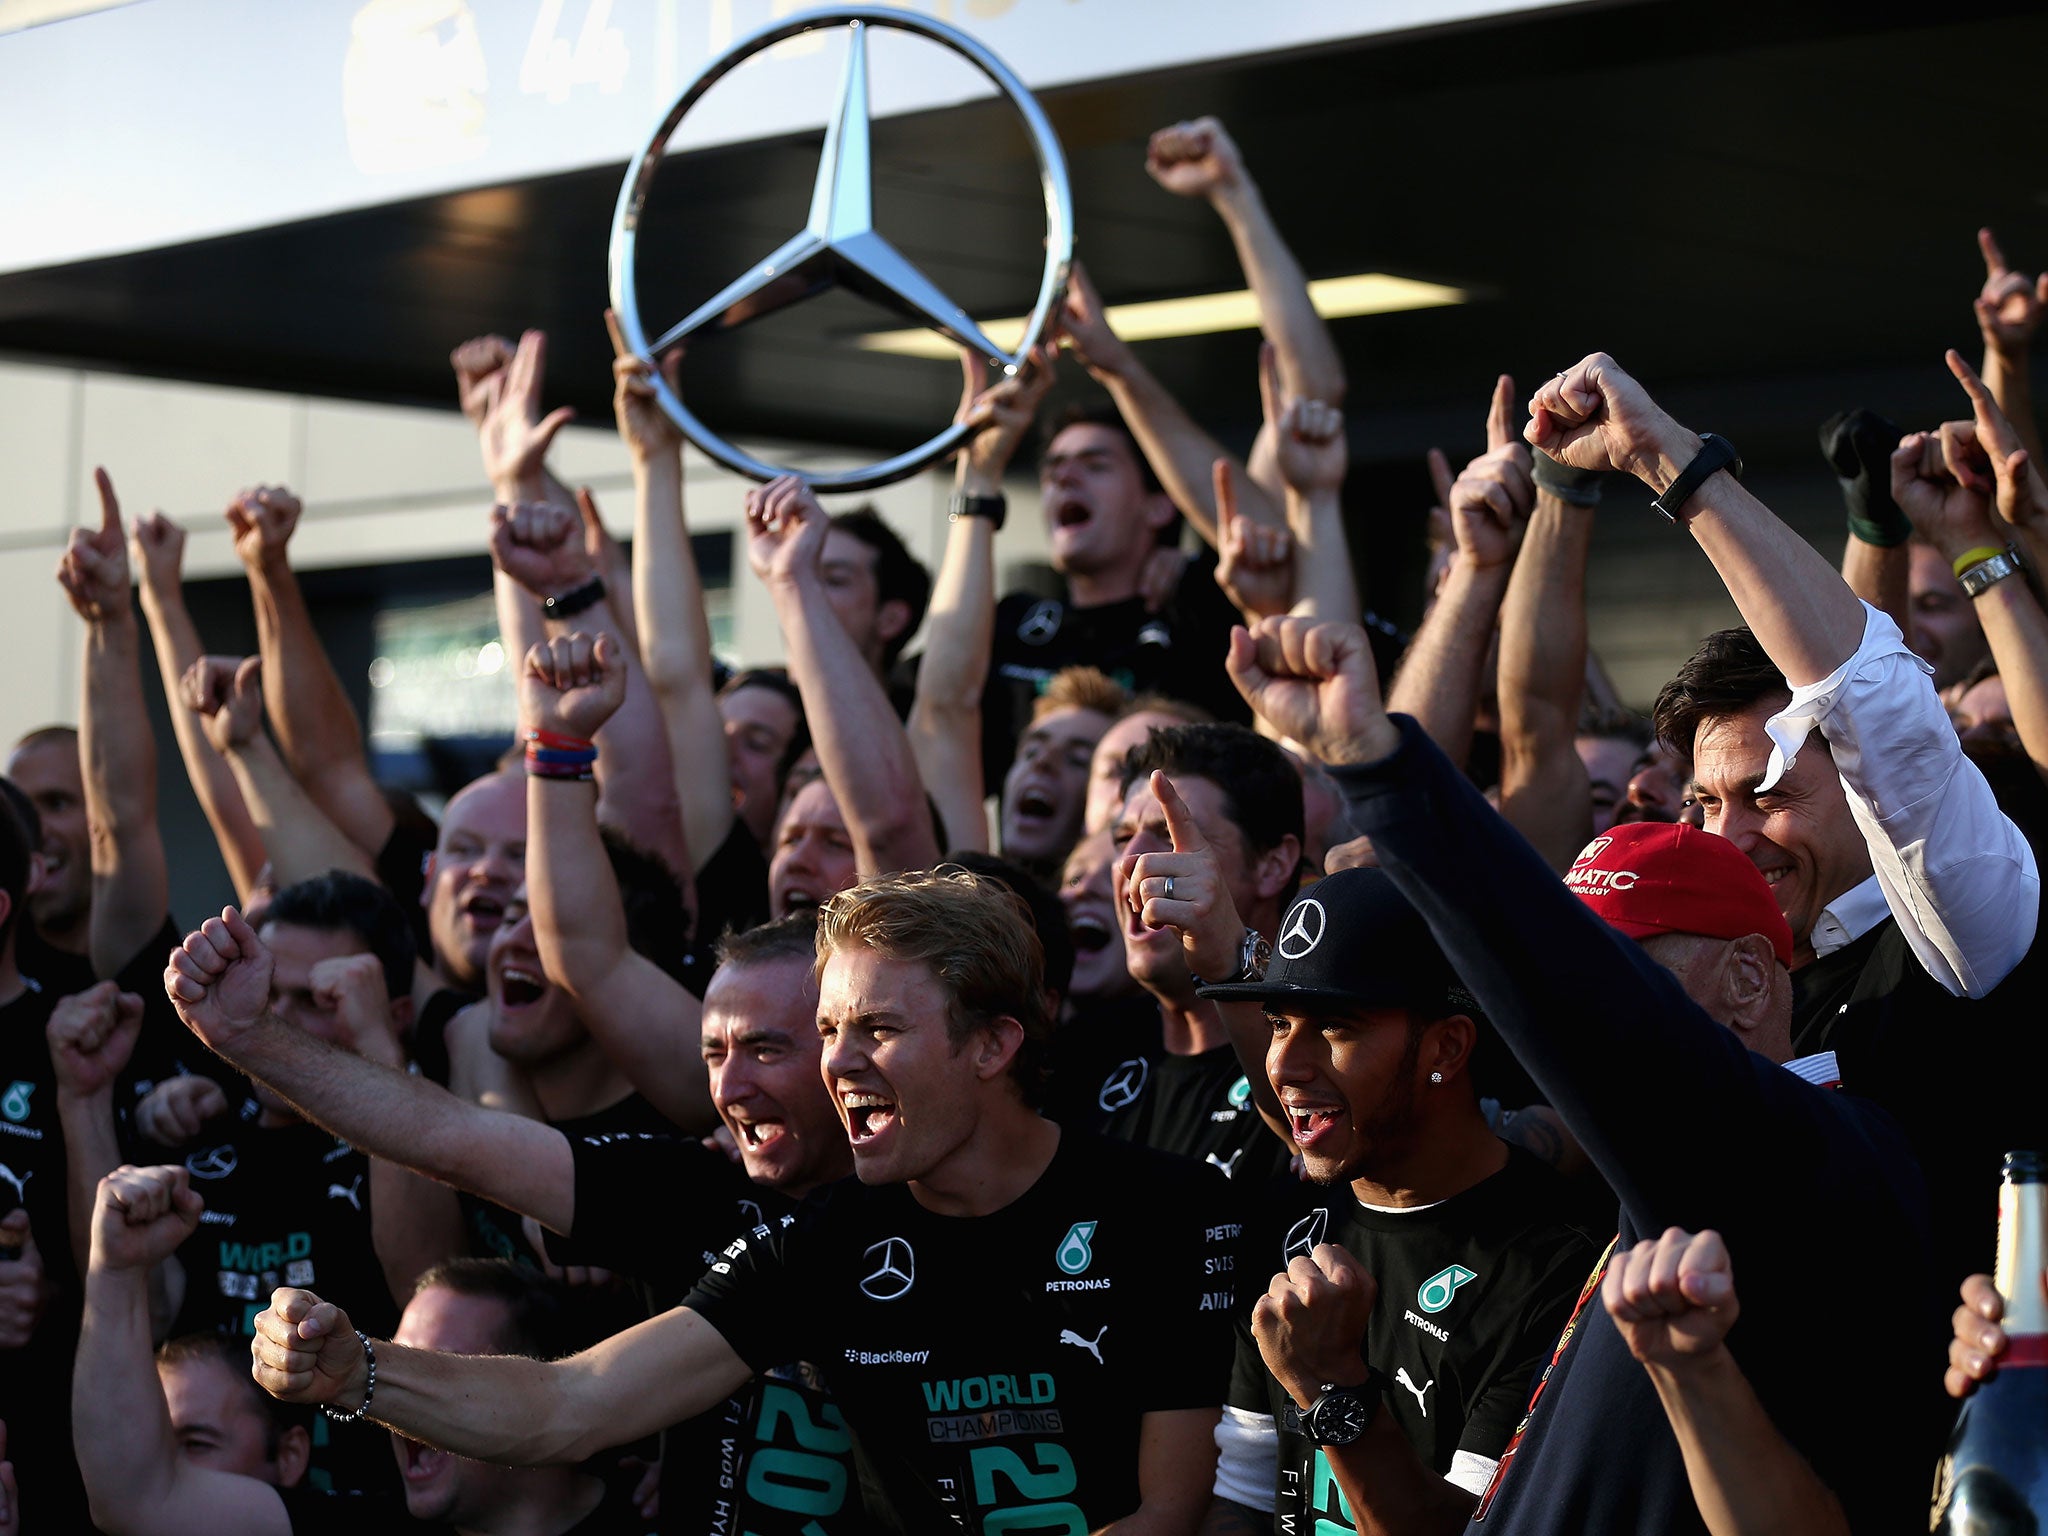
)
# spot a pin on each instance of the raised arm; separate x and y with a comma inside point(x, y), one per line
point(1957, 874)
point(1443, 675)
point(2020, 493)
point(226, 695)
point(1673, 1301)
point(945, 718)
point(864, 751)
point(1178, 450)
point(502, 1408)
point(138, 1481)
point(1198, 159)
point(317, 731)
point(541, 548)
point(156, 550)
point(219, 981)
point(646, 1021)
point(668, 596)
point(91, 1035)
point(1544, 790)
point(2008, 313)
point(131, 882)
point(1304, 438)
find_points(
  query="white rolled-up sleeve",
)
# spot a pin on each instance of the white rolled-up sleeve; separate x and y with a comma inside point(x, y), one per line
point(1959, 877)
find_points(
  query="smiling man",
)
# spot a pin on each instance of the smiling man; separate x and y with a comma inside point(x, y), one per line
point(1110, 1266)
point(1469, 1262)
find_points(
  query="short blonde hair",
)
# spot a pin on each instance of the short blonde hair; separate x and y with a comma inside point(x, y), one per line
point(975, 936)
point(1082, 688)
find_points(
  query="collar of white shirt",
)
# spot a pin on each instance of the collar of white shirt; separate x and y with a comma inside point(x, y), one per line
point(1850, 916)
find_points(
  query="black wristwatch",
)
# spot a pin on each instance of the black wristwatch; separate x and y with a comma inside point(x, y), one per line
point(1339, 1415)
point(575, 600)
point(1253, 956)
point(995, 508)
point(1716, 452)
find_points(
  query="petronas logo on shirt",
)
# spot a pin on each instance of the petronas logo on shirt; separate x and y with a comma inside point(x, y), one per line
point(1240, 1093)
point(1074, 1255)
point(1439, 1288)
point(14, 1105)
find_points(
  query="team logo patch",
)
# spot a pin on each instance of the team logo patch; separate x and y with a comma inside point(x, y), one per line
point(1304, 930)
point(14, 1103)
point(213, 1163)
point(1439, 1288)
point(1125, 1082)
point(895, 1270)
point(1591, 851)
point(1240, 1093)
point(1074, 1255)
point(1093, 1346)
point(1303, 1236)
point(1039, 625)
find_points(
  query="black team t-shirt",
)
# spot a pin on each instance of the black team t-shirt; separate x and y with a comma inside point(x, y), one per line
point(1196, 1106)
point(1472, 1293)
point(775, 1458)
point(995, 1369)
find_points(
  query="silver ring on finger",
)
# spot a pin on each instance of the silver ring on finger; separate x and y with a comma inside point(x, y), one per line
point(1169, 888)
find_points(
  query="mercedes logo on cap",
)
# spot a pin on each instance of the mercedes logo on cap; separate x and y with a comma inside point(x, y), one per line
point(1123, 1085)
point(895, 1270)
point(1303, 1236)
point(1304, 930)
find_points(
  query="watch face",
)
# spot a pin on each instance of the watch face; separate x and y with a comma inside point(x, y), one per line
point(1258, 954)
point(1338, 1418)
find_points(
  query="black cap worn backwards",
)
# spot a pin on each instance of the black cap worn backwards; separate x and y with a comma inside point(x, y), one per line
point(1352, 941)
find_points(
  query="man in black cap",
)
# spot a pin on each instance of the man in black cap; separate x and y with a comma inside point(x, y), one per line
point(1456, 1259)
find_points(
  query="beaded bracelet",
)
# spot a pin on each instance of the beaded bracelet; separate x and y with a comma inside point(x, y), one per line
point(369, 1386)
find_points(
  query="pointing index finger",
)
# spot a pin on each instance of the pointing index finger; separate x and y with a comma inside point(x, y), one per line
point(1500, 416)
point(1180, 821)
point(110, 506)
point(1226, 495)
point(1994, 258)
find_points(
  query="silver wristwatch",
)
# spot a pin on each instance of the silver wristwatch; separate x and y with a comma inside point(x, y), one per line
point(1987, 573)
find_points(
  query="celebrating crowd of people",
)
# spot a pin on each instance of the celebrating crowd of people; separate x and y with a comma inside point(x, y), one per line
point(1176, 1056)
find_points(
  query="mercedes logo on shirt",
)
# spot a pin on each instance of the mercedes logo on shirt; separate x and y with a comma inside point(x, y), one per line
point(1123, 1085)
point(1303, 1236)
point(1041, 623)
point(895, 1270)
point(1304, 930)
point(214, 1163)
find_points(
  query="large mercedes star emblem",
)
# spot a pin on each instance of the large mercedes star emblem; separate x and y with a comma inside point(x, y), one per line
point(1303, 930)
point(839, 243)
point(1305, 1234)
point(895, 1269)
point(1123, 1085)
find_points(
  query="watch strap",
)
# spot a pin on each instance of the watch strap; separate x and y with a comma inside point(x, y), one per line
point(575, 600)
point(1580, 487)
point(1716, 453)
point(995, 508)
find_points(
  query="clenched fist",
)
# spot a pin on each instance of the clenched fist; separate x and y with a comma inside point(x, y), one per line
point(306, 1351)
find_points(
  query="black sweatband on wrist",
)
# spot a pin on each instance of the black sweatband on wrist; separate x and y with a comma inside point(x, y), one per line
point(574, 601)
point(1580, 487)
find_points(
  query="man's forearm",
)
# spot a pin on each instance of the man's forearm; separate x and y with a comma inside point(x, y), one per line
point(1439, 679)
point(1881, 576)
point(1309, 362)
point(1390, 1491)
point(120, 1427)
point(945, 719)
point(1745, 1476)
point(675, 650)
point(521, 1164)
point(296, 833)
point(2016, 627)
point(316, 725)
point(864, 751)
point(177, 644)
point(1543, 784)
point(1181, 454)
point(92, 1150)
point(636, 787)
point(1325, 587)
point(415, 1223)
point(117, 753)
point(2008, 376)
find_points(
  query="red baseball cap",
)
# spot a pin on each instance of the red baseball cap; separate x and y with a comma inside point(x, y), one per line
point(1654, 878)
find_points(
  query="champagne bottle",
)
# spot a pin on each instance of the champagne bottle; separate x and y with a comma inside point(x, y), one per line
point(1994, 1479)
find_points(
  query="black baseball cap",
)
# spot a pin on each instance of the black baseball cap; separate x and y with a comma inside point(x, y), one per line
point(1352, 941)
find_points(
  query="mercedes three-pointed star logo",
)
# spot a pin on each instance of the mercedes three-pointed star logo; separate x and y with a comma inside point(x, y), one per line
point(1305, 1234)
point(1303, 930)
point(895, 1269)
point(1123, 1085)
point(839, 244)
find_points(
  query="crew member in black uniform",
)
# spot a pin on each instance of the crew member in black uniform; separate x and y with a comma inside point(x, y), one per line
point(1473, 1260)
point(1016, 1318)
